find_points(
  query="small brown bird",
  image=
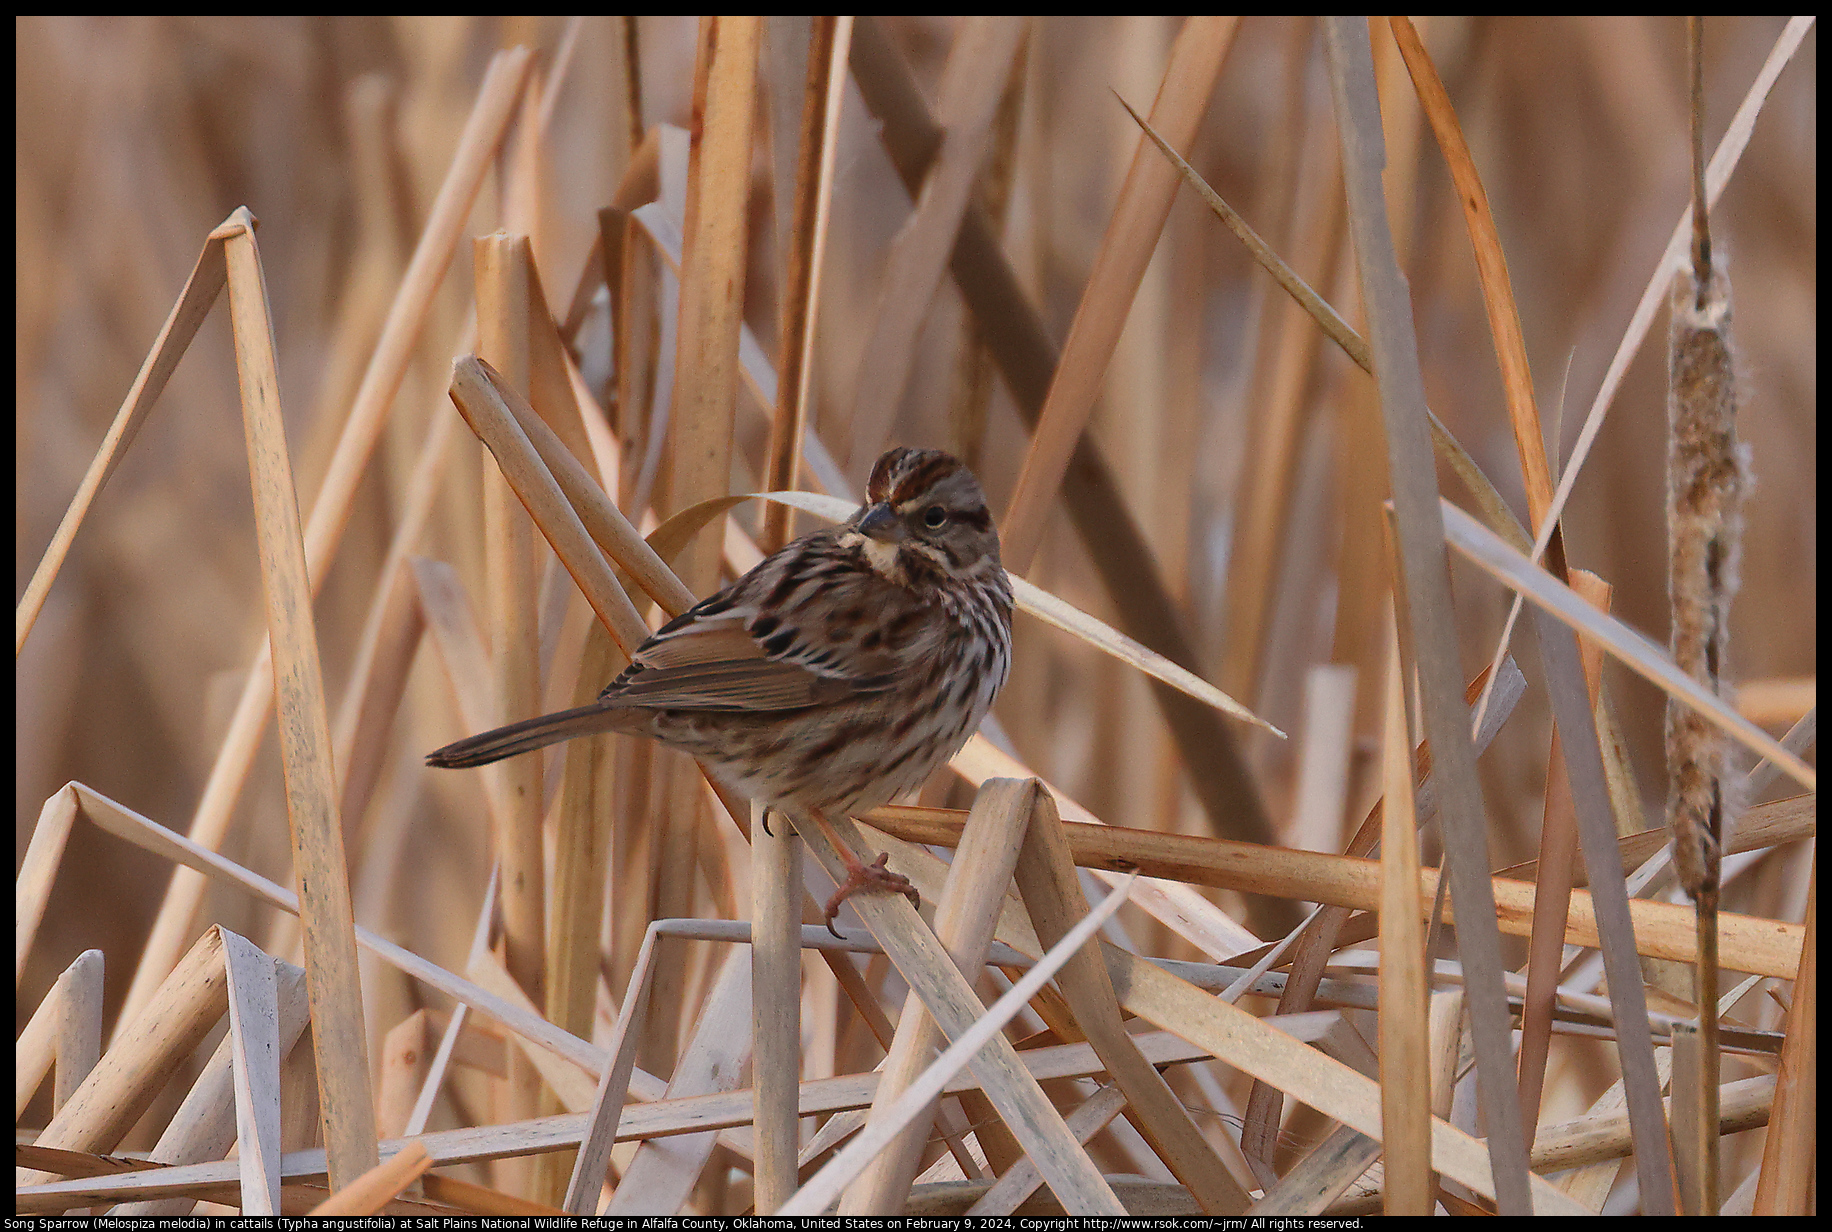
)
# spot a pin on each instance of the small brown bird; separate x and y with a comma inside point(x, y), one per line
point(837, 674)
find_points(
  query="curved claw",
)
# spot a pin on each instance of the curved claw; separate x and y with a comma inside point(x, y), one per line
point(873, 876)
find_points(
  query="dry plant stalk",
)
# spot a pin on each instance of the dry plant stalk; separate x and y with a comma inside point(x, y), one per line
point(194, 302)
point(255, 1058)
point(502, 264)
point(1662, 930)
point(1405, 1075)
point(375, 1188)
point(934, 978)
point(64, 1034)
point(816, 152)
point(1554, 876)
point(700, 429)
point(1126, 247)
point(776, 862)
point(1422, 591)
point(964, 920)
point(1155, 994)
point(133, 1070)
point(1707, 478)
point(1052, 895)
point(1790, 1156)
point(776, 995)
point(339, 1040)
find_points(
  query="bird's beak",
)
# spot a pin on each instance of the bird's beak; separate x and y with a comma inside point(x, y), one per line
point(882, 524)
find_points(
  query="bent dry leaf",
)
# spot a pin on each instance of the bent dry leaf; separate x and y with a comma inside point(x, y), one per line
point(1513, 569)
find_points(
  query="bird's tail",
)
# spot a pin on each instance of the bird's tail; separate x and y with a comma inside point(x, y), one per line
point(501, 742)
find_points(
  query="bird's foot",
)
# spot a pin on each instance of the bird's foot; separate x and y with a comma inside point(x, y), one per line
point(873, 876)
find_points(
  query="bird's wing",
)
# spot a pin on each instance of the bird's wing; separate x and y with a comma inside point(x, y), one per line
point(706, 659)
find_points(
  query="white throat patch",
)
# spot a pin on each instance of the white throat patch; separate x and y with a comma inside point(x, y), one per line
point(881, 556)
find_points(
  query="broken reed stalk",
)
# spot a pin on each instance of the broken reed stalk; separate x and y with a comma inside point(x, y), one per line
point(1554, 876)
point(776, 997)
point(1790, 1155)
point(1053, 896)
point(1240, 1040)
point(339, 1040)
point(374, 1189)
point(816, 152)
point(933, 977)
point(981, 1032)
point(194, 303)
point(1405, 1075)
point(135, 1067)
point(37, 873)
point(1426, 592)
point(776, 852)
point(204, 1127)
point(964, 919)
point(706, 376)
point(57, 1037)
point(79, 1031)
point(502, 264)
point(661, 1175)
point(255, 1058)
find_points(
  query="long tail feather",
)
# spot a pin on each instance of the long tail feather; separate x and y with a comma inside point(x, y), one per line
point(501, 742)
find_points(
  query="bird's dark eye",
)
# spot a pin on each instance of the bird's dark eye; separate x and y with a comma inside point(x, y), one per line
point(935, 517)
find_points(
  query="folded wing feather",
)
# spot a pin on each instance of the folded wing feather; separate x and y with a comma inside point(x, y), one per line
point(715, 664)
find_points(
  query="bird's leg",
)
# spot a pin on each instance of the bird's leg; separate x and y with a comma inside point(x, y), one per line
point(859, 876)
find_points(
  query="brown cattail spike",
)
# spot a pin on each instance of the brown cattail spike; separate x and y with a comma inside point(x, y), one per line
point(1707, 475)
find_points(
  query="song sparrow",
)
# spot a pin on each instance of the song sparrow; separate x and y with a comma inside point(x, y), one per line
point(837, 674)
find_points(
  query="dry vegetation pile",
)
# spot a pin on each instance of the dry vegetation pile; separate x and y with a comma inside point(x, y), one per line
point(1183, 943)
